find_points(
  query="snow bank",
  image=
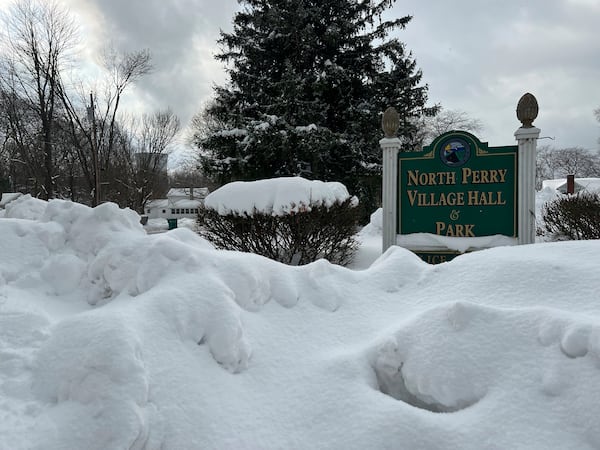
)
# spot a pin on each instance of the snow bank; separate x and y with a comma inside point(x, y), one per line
point(25, 207)
point(8, 197)
point(278, 196)
point(111, 338)
point(375, 225)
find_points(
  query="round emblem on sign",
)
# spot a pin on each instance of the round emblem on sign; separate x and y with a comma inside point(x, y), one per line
point(455, 152)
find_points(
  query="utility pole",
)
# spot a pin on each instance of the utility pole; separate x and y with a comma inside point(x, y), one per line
point(95, 163)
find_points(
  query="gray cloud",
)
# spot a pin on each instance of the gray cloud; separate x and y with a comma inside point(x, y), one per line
point(477, 55)
point(481, 56)
point(181, 36)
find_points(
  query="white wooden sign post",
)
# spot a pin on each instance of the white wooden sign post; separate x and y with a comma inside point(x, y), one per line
point(527, 136)
point(390, 145)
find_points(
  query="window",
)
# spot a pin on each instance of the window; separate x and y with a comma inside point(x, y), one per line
point(187, 211)
point(164, 211)
point(173, 211)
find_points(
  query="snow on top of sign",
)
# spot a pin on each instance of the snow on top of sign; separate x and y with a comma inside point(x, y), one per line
point(428, 241)
point(277, 196)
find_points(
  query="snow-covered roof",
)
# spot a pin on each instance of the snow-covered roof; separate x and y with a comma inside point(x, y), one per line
point(158, 203)
point(199, 192)
point(174, 203)
point(581, 184)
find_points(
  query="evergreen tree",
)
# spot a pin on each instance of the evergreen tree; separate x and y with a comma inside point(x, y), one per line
point(308, 82)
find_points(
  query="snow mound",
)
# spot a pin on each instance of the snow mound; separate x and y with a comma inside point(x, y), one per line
point(91, 368)
point(447, 380)
point(25, 207)
point(22, 333)
point(8, 197)
point(278, 196)
point(112, 338)
point(375, 225)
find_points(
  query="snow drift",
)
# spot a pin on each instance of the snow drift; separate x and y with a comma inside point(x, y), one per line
point(111, 338)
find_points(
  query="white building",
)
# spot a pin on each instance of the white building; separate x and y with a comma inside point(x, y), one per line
point(180, 202)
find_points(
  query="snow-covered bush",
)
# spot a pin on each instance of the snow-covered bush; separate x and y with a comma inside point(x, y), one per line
point(573, 216)
point(291, 220)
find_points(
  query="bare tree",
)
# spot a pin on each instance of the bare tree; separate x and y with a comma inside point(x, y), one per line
point(552, 163)
point(82, 140)
point(447, 120)
point(25, 163)
point(545, 165)
point(577, 161)
point(158, 131)
point(38, 40)
point(123, 70)
point(156, 134)
point(5, 151)
point(188, 174)
point(141, 153)
point(202, 125)
point(95, 131)
point(597, 114)
point(57, 138)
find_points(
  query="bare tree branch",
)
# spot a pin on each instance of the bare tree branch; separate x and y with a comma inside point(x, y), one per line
point(38, 38)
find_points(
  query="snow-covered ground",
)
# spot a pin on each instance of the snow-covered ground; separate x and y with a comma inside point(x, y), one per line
point(112, 338)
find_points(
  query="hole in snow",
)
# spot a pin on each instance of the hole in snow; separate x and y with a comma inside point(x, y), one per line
point(392, 383)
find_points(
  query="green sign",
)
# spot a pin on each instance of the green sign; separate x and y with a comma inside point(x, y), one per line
point(458, 187)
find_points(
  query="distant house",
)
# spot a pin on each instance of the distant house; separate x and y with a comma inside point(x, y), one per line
point(180, 202)
point(581, 184)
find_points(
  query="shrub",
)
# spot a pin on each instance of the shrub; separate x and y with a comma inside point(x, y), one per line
point(296, 238)
point(574, 216)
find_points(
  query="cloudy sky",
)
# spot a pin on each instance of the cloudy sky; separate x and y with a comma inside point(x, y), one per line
point(478, 56)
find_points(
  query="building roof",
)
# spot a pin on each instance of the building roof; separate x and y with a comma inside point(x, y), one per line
point(180, 198)
point(581, 184)
point(158, 203)
point(199, 192)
